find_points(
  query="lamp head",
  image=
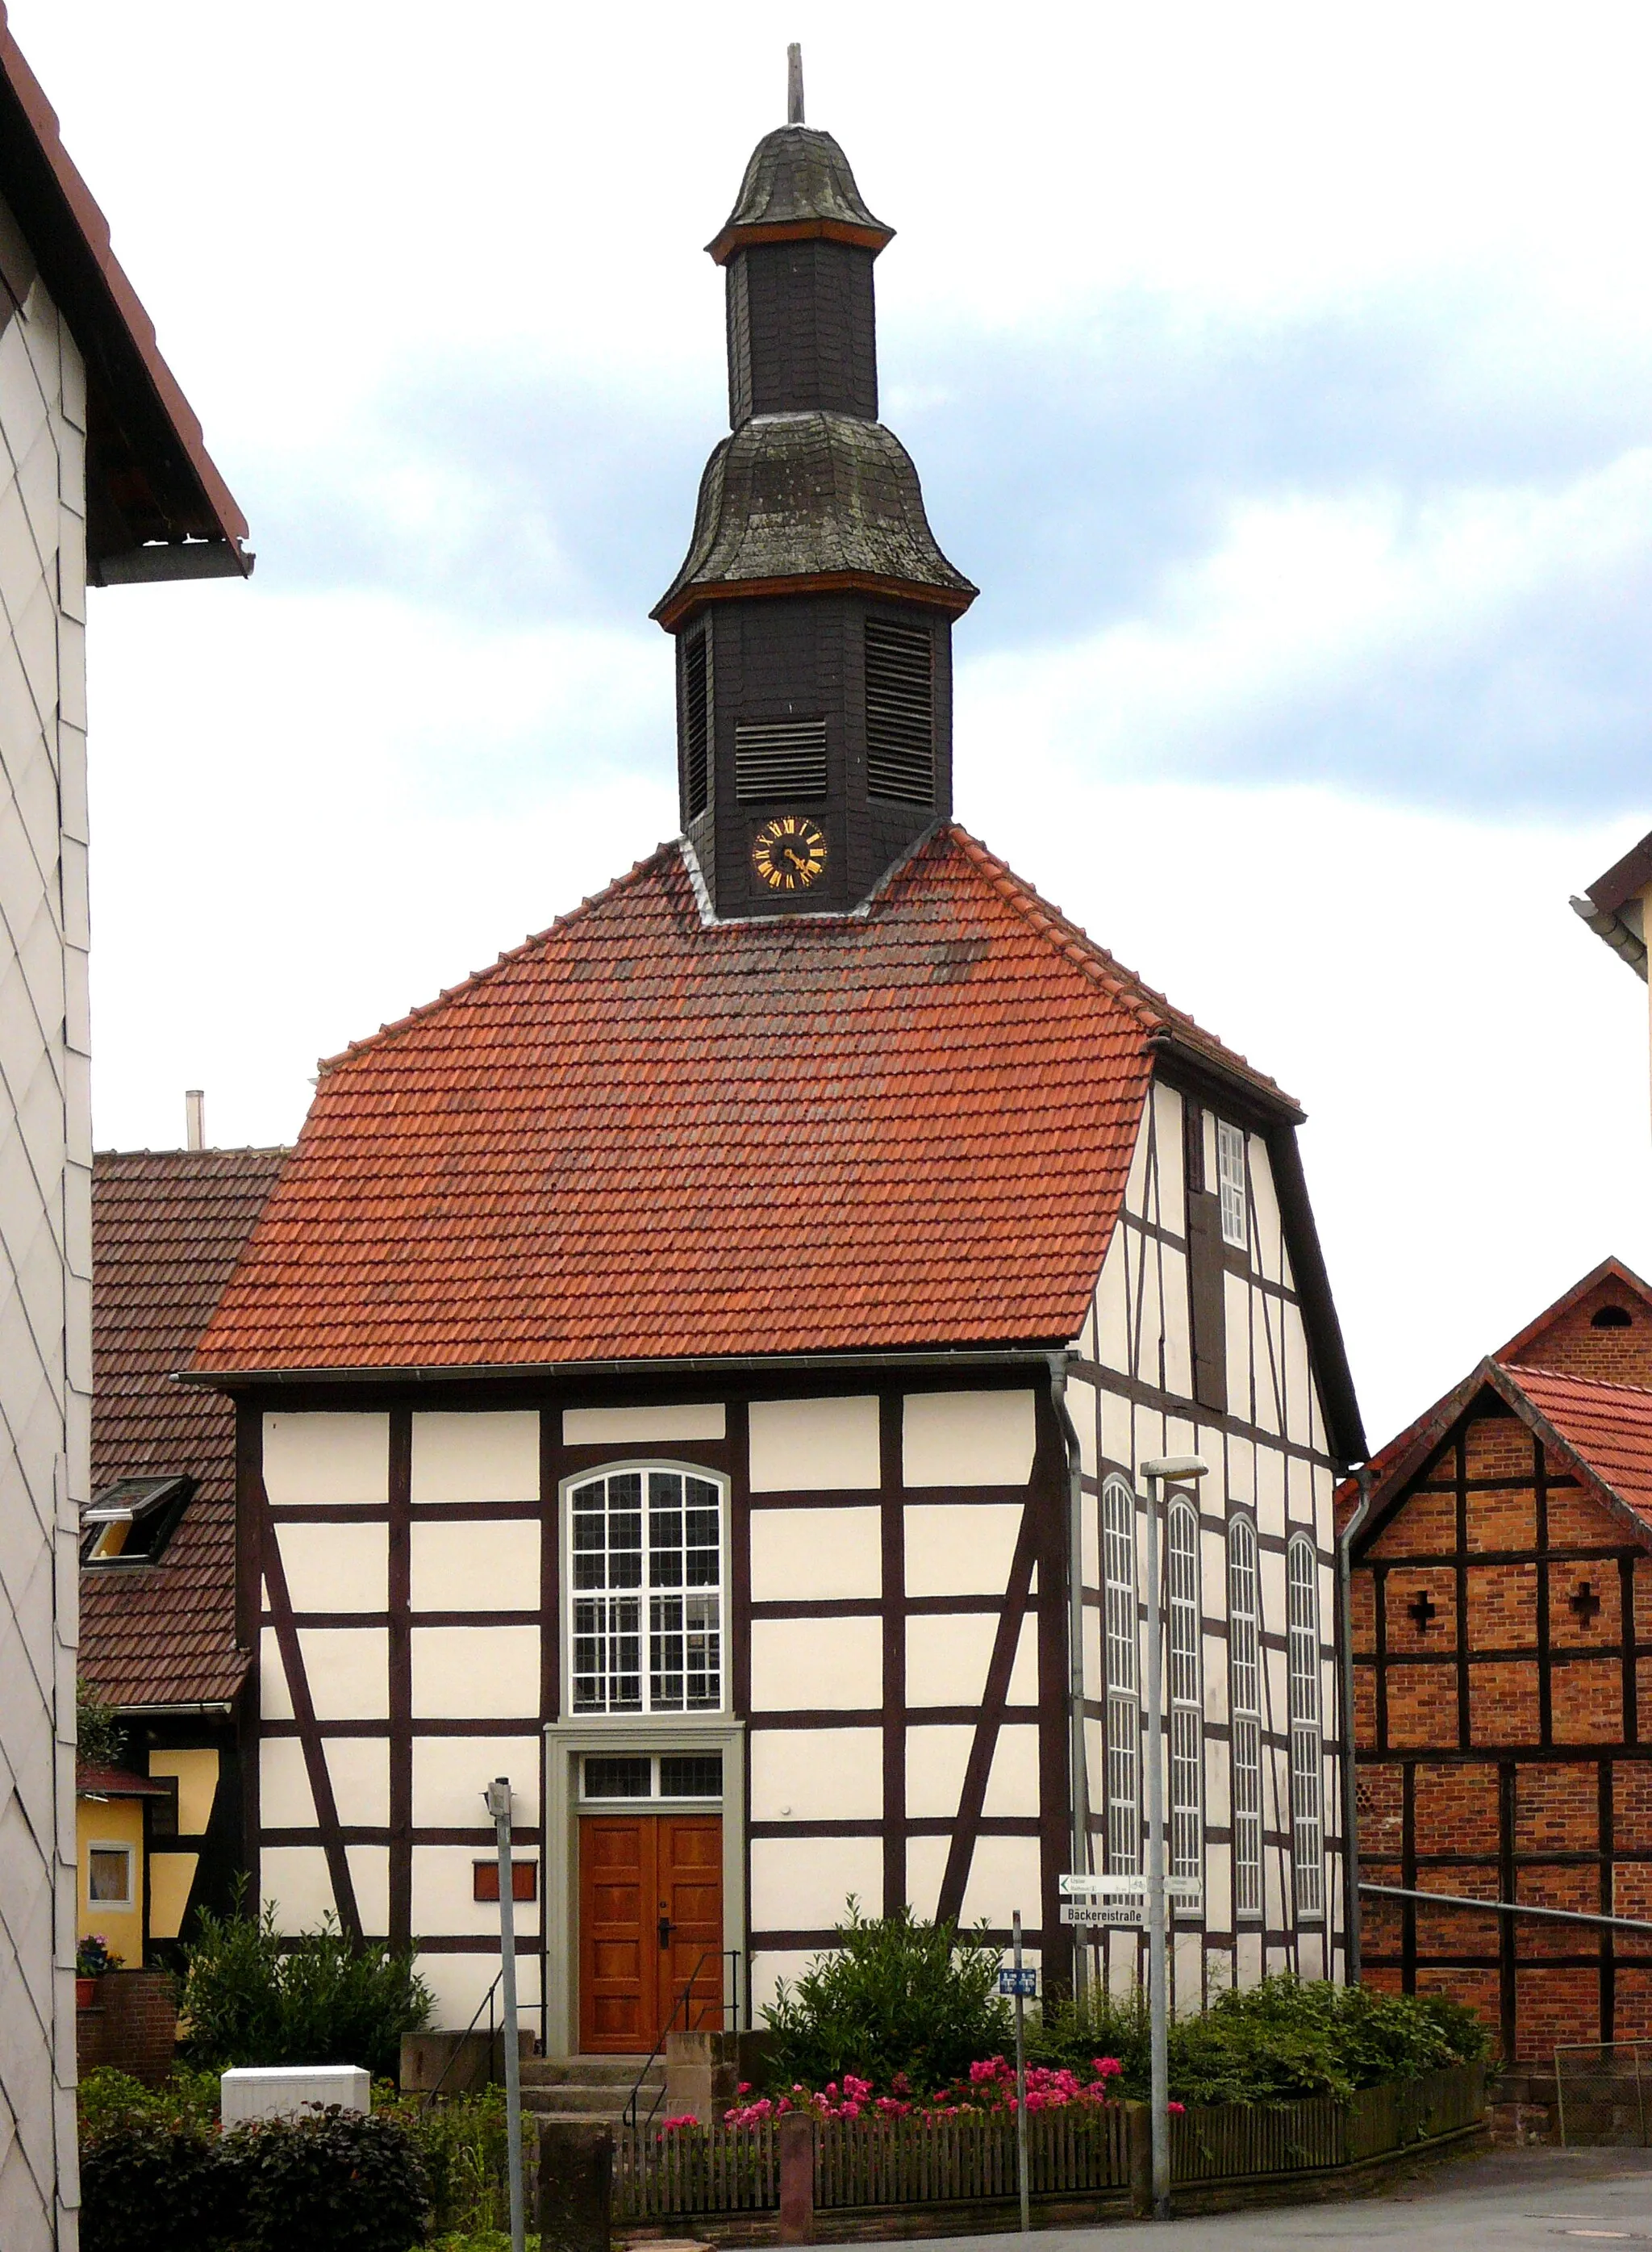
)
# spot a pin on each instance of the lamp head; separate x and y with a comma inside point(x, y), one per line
point(1178, 1470)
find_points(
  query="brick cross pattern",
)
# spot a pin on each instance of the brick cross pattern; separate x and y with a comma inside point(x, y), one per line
point(1585, 1603)
point(1424, 1610)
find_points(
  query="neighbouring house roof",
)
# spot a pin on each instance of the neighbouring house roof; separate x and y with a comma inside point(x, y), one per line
point(167, 1227)
point(156, 505)
point(117, 1782)
point(1611, 907)
point(645, 1135)
point(1606, 1428)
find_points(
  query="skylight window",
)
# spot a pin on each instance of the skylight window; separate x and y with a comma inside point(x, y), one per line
point(131, 1522)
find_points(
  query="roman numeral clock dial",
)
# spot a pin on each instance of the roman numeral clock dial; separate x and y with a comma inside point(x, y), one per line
point(789, 853)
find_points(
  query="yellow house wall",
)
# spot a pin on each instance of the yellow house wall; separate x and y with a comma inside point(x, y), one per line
point(110, 1822)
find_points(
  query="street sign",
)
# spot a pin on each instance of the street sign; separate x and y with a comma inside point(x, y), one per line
point(1023, 1982)
point(1129, 1889)
point(1105, 1915)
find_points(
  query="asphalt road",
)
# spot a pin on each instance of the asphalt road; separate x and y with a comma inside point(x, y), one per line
point(1537, 2200)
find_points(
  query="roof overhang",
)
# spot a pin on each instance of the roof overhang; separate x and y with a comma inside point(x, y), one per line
point(779, 1364)
point(679, 608)
point(1614, 905)
point(798, 230)
point(156, 506)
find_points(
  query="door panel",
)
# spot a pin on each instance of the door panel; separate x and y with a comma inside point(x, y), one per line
point(650, 1907)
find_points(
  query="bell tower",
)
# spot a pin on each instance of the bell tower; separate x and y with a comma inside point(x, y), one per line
point(813, 612)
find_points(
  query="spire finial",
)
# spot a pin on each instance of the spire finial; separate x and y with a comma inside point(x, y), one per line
point(794, 84)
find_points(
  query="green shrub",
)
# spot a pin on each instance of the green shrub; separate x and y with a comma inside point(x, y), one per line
point(108, 2098)
point(461, 2140)
point(252, 1997)
point(99, 1740)
point(896, 1995)
point(332, 2181)
point(1273, 2043)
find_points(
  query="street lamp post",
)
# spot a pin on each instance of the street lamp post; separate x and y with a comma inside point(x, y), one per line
point(1176, 1469)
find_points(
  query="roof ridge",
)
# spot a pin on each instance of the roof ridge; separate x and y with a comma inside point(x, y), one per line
point(517, 953)
point(1517, 1370)
point(1155, 1010)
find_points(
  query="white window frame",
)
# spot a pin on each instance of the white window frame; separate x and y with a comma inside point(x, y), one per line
point(125, 1849)
point(1121, 1616)
point(1308, 1771)
point(645, 1595)
point(1187, 1703)
point(1244, 1713)
point(1234, 1182)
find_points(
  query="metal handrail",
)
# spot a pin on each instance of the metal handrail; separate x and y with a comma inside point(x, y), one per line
point(723, 1955)
point(486, 2003)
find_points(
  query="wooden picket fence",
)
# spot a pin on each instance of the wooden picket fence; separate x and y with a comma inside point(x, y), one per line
point(1072, 2150)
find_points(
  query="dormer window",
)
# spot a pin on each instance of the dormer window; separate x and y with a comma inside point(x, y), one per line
point(1230, 1162)
point(132, 1520)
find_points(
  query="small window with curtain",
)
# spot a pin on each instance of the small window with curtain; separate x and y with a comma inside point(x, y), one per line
point(1187, 1747)
point(647, 1595)
point(1123, 1685)
point(1308, 1788)
point(1244, 1659)
point(1230, 1165)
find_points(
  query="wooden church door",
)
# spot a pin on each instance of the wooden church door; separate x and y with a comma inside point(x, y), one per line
point(650, 1921)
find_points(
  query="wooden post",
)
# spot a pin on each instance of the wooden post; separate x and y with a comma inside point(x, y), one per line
point(1139, 2126)
point(576, 2187)
point(796, 2178)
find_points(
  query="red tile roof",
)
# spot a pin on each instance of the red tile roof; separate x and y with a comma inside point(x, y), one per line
point(1606, 1427)
point(167, 1227)
point(642, 1136)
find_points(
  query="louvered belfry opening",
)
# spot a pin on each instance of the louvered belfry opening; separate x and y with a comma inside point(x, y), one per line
point(697, 724)
point(900, 712)
point(814, 607)
point(779, 759)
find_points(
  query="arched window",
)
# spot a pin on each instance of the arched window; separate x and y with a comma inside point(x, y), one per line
point(1124, 1708)
point(1244, 1637)
point(1186, 1703)
point(1307, 1788)
point(647, 1595)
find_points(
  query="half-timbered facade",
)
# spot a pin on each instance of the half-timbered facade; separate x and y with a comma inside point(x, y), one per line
point(1501, 1627)
point(698, 1367)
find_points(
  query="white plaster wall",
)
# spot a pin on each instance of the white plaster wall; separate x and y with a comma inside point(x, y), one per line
point(814, 1446)
point(802, 1884)
point(490, 1456)
point(369, 1868)
point(458, 1983)
point(285, 1801)
point(817, 1553)
point(359, 1769)
point(451, 1773)
point(296, 1883)
point(347, 1670)
point(608, 1427)
point(45, 1268)
point(968, 1438)
point(444, 1888)
point(960, 1550)
point(1003, 1876)
point(475, 1567)
point(769, 1968)
point(948, 1658)
point(327, 1458)
point(936, 1759)
point(336, 1567)
point(832, 1665)
point(817, 1775)
point(472, 1673)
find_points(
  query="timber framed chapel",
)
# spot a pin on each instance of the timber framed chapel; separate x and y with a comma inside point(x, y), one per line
point(697, 1367)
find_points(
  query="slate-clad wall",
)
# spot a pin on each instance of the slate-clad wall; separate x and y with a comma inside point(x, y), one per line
point(1134, 1396)
point(45, 1156)
point(803, 657)
point(800, 330)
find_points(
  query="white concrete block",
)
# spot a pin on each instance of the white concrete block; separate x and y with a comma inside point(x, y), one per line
point(280, 2091)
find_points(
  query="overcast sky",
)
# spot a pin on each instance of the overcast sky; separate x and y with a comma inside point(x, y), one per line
point(1284, 376)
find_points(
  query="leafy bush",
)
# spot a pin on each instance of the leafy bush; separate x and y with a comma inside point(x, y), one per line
point(252, 1997)
point(152, 2184)
point(99, 1738)
point(332, 2181)
point(1272, 2043)
point(461, 2140)
point(897, 1996)
point(108, 2098)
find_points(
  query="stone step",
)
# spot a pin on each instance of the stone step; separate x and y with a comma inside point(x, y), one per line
point(582, 2103)
point(589, 2071)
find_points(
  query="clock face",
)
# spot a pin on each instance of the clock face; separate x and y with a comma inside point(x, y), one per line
point(789, 853)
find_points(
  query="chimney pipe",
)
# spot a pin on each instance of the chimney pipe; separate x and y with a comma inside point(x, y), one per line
point(194, 1119)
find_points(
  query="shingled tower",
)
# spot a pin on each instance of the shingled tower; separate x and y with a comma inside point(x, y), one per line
point(812, 613)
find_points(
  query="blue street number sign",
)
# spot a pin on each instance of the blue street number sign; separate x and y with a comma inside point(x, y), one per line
point(1023, 1982)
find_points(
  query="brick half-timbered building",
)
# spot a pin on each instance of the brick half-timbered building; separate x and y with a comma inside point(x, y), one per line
point(698, 1366)
point(1502, 1622)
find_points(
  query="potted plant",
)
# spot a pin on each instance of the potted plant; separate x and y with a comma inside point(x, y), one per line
point(91, 1959)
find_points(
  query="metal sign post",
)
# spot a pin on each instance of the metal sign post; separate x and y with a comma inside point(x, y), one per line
point(1180, 1467)
point(1021, 1984)
point(498, 1797)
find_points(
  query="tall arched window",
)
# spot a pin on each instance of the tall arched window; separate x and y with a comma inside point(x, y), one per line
point(1124, 1707)
point(1308, 1789)
point(647, 1595)
point(1244, 1637)
point(1181, 1549)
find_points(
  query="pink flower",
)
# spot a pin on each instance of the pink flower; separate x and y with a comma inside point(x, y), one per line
point(683, 2119)
point(744, 2088)
point(1175, 2107)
